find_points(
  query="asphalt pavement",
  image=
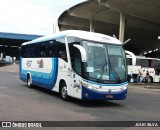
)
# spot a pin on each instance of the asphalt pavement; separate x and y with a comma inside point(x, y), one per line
point(17, 102)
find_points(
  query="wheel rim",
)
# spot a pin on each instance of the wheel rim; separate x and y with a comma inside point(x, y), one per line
point(64, 92)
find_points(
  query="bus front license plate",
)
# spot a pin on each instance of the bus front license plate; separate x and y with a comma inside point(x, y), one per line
point(109, 96)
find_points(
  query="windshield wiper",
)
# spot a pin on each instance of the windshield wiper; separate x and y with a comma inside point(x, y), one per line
point(102, 71)
point(116, 74)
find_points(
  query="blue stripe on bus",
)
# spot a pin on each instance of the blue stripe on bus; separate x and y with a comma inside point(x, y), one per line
point(120, 84)
point(45, 80)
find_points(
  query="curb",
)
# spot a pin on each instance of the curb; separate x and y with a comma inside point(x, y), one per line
point(148, 85)
point(152, 87)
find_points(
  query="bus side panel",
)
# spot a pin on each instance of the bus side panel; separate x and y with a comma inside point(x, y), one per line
point(64, 74)
point(47, 80)
point(43, 71)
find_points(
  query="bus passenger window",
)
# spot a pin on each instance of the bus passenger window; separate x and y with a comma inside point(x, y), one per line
point(51, 50)
point(42, 50)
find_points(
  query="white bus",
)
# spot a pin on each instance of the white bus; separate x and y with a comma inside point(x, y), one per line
point(144, 64)
point(79, 64)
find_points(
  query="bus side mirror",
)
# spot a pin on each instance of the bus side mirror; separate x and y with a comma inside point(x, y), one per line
point(132, 56)
point(82, 51)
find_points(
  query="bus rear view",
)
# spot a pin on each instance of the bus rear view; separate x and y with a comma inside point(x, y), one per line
point(90, 66)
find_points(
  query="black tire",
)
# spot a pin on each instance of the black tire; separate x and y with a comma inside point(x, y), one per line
point(63, 92)
point(29, 85)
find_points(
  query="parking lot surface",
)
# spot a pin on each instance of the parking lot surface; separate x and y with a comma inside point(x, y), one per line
point(17, 102)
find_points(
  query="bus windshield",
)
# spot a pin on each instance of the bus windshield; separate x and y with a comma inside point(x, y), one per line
point(105, 62)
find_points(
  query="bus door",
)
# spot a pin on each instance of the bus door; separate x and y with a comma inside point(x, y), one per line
point(64, 65)
point(76, 74)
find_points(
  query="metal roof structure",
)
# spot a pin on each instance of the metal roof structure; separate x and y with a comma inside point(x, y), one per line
point(138, 20)
point(14, 39)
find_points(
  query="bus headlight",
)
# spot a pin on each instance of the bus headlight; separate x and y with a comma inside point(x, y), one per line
point(90, 87)
point(87, 85)
point(124, 87)
point(84, 83)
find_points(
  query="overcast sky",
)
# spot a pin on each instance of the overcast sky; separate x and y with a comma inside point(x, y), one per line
point(31, 16)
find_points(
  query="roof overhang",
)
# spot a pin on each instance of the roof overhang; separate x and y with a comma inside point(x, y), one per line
point(14, 39)
point(142, 20)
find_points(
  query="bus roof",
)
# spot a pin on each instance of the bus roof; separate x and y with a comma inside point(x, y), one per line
point(149, 58)
point(80, 34)
point(143, 57)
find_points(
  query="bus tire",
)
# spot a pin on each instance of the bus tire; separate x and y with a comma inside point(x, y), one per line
point(63, 91)
point(29, 84)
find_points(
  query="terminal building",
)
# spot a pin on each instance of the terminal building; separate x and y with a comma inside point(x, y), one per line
point(10, 43)
point(135, 22)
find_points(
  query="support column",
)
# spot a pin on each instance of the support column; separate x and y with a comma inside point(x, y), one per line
point(55, 27)
point(91, 25)
point(122, 27)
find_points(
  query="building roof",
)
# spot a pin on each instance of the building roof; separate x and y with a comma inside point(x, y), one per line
point(15, 39)
point(142, 20)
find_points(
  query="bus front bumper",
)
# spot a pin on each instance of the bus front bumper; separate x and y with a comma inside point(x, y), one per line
point(88, 94)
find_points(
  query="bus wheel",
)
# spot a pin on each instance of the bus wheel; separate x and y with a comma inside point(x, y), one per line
point(29, 81)
point(63, 91)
